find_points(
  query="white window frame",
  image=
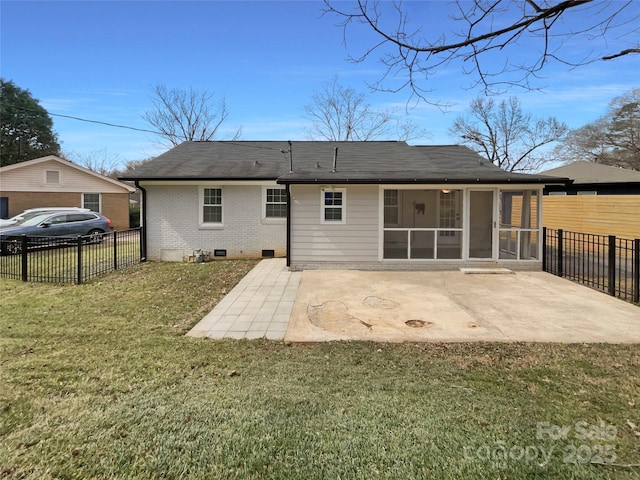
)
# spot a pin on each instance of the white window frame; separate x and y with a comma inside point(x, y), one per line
point(99, 200)
point(264, 205)
point(343, 207)
point(52, 170)
point(201, 206)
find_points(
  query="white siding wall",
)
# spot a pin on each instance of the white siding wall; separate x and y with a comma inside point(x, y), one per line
point(354, 241)
point(173, 230)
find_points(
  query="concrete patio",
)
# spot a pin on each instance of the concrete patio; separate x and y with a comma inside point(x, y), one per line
point(450, 306)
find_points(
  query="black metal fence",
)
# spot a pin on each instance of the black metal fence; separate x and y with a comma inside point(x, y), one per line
point(603, 262)
point(68, 260)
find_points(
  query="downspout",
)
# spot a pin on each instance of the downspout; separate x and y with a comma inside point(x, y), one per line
point(143, 221)
point(288, 191)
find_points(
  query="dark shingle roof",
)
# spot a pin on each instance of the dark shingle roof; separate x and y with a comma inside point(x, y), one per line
point(357, 162)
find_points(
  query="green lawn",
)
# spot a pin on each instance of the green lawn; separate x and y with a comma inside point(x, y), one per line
point(98, 381)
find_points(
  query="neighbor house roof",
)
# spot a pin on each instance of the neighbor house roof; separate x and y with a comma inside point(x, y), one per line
point(594, 173)
point(66, 163)
point(313, 162)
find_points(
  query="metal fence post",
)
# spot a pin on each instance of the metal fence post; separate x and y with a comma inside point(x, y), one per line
point(560, 260)
point(141, 244)
point(612, 265)
point(24, 245)
point(79, 277)
point(544, 249)
point(636, 270)
point(115, 250)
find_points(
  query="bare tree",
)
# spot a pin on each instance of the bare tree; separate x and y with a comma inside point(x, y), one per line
point(623, 132)
point(99, 161)
point(480, 28)
point(587, 143)
point(507, 136)
point(339, 113)
point(129, 168)
point(180, 115)
point(613, 139)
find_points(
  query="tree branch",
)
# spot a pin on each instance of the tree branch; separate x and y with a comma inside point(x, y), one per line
point(415, 57)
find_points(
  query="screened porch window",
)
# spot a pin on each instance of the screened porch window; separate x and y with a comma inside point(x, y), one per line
point(422, 224)
point(519, 224)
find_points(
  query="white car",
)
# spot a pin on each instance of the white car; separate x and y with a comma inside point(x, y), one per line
point(32, 212)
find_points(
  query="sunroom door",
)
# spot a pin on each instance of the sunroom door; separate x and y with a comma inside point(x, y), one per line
point(481, 224)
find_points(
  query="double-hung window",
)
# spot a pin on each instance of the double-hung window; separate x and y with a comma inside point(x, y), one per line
point(333, 205)
point(275, 203)
point(91, 201)
point(211, 208)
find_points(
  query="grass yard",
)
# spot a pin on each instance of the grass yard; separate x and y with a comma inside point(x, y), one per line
point(98, 381)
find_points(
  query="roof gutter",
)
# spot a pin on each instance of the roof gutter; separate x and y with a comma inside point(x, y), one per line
point(143, 221)
point(197, 179)
point(415, 181)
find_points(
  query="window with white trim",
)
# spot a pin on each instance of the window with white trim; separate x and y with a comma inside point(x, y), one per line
point(91, 201)
point(211, 208)
point(275, 203)
point(333, 204)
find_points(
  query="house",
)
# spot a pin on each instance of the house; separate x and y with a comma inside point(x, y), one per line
point(602, 200)
point(53, 182)
point(366, 205)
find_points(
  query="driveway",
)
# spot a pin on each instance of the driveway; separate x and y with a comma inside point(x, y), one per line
point(453, 306)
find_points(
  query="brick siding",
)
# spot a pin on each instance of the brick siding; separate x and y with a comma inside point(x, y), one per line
point(173, 217)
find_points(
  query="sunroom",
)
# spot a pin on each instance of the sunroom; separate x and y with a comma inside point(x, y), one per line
point(460, 223)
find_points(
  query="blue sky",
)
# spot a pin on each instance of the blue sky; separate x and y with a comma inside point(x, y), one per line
point(99, 60)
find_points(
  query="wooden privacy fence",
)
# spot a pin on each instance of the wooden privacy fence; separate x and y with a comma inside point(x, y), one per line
point(603, 262)
point(617, 215)
point(69, 260)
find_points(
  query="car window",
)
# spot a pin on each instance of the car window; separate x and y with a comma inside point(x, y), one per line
point(29, 222)
point(79, 217)
point(23, 217)
point(57, 219)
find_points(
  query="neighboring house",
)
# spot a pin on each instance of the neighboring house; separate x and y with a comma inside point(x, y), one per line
point(375, 205)
point(53, 182)
point(602, 200)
